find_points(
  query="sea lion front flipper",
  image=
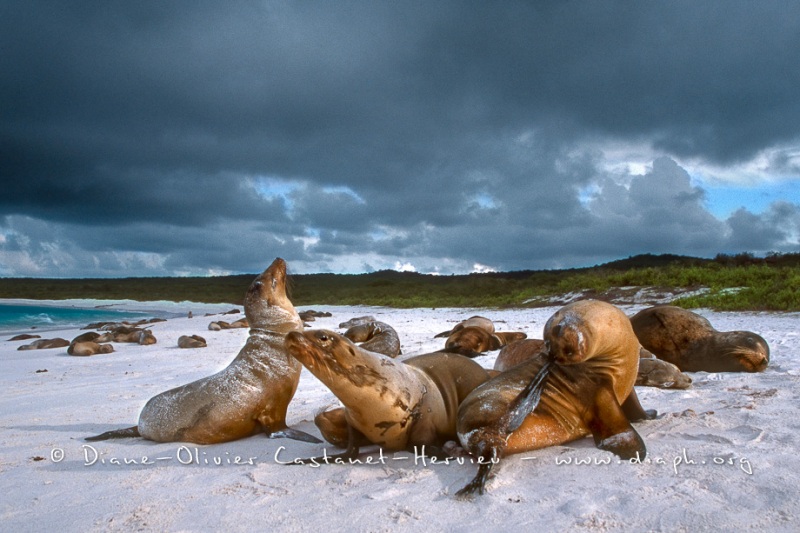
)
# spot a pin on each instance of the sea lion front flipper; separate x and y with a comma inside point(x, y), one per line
point(634, 410)
point(528, 399)
point(355, 437)
point(610, 427)
point(294, 434)
point(116, 434)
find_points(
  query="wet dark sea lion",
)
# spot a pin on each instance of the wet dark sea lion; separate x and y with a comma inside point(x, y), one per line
point(250, 396)
point(589, 390)
point(378, 337)
point(690, 342)
point(394, 404)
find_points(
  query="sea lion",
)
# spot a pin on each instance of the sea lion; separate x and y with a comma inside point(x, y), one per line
point(394, 404)
point(311, 315)
point(357, 321)
point(472, 341)
point(144, 337)
point(474, 322)
point(517, 352)
point(589, 390)
point(43, 344)
point(690, 342)
point(24, 337)
point(378, 337)
point(86, 348)
point(250, 396)
point(658, 373)
point(193, 341)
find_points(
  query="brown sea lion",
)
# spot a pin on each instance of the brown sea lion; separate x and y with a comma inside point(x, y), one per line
point(144, 337)
point(43, 344)
point(472, 322)
point(472, 341)
point(657, 373)
point(690, 342)
point(357, 321)
point(24, 337)
point(589, 390)
point(250, 396)
point(193, 341)
point(86, 348)
point(378, 337)
point(517, 352)
point(394, 404)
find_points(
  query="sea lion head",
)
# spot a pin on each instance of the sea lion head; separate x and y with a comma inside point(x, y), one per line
point(744, 351)
point(330, 356)
point(565, 337)
point(266, 304)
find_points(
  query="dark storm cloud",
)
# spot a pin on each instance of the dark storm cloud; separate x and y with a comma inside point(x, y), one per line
point(441, 133)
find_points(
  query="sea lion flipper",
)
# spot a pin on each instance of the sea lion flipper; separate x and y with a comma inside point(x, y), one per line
point(478, 483)
point(116, 434)
point(527, 400)
point(353, 447)
point(634, 410)
point(611, 429)
point(295, 434)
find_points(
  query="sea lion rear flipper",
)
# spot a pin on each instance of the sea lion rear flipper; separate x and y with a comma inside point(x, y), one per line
point(443, 334)
point(116, 434)
point(294, 434)
point(477, 484)
point(634, 410)
point(610, 427)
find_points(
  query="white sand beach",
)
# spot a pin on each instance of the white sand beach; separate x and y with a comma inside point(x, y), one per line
point(722, 455)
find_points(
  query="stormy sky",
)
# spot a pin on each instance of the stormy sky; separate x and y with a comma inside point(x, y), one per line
point(194, 138)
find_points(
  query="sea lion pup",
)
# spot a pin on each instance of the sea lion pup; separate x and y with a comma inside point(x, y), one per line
point(43, 344)
point(86, 348)
point(658, 373)
point(193, 341)
point(251, 395)
point(475, 322)
point(589, 390)
point(394, 404)
point(690, 342)
point(472, 341)
point(378, 337)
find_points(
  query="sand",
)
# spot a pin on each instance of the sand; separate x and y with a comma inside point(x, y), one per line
point(721, 455)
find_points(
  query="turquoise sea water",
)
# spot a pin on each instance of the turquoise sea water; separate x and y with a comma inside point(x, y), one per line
point(19, 318)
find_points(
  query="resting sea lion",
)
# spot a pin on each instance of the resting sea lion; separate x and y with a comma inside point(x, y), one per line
point(193, 341)
point(378, 337)
point(657, 373)
point(43, 344)
point(24, 337)
point(86, 348)
point(474, 322)
point(357, 321)
point(394, 404)
point(589, 390)
point(517, 352)
point(251, 395)
point(690, 342)
point(472, 341)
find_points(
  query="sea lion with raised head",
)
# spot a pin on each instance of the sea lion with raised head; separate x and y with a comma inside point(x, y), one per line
point(591, 363)
point(378, 337)
point(394, 404)
point(690, 342)
point(250, 396)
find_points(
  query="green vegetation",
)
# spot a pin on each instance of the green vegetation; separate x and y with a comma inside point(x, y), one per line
point(733, 283)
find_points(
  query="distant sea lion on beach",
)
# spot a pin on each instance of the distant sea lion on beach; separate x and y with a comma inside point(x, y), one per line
point(191, 341)
point(250, 395)
point(357, 321)
point(394, 404)
point(24, 337)
point(690, 342)
point(475, 322)
point(221, 324)
point(592, 355)
point(86, 348)
point(472, 341)
point(378, 337)
point(43, 344)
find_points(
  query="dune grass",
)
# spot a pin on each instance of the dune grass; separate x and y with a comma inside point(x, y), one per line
point(733, 283)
